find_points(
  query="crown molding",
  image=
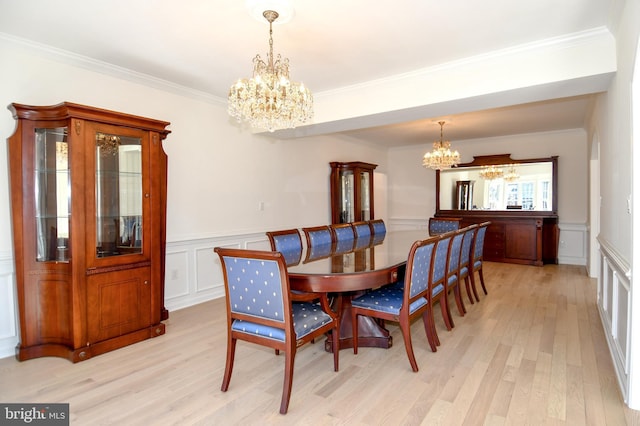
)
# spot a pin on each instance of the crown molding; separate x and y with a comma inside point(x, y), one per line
point(74, 59)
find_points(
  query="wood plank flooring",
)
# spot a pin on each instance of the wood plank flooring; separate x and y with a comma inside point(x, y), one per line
point(531, 352)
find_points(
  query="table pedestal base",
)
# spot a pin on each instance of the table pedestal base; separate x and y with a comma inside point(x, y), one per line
point(370, 332)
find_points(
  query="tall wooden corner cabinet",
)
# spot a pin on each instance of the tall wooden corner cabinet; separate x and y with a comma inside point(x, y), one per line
point(351, 191)
point(88, 200)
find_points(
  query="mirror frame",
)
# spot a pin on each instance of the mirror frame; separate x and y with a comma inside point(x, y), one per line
point(501, 160)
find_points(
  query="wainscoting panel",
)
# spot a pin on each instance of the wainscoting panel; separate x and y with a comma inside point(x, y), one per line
point(614, 305)
point(193, 271)
point(8, 315)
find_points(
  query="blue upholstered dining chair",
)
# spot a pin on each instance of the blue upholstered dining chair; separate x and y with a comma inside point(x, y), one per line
point(377, 227)
point(289, 243)
point(465, 258)
point(319, 242)
point(402, 303)
point(453, 269)
point(439, 280)
point(362, 231)
point(477, 259)
point(440, 225)
point(260, 311)
point(378, 231)
point(343, 236)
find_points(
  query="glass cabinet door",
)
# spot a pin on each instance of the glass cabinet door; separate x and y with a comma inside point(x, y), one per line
point(52, 194)
point(118, 195)
point(347, 192)
point(365, 211)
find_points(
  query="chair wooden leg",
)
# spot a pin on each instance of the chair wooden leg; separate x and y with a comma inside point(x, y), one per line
point(467, 284)
point(459, 303)
point(405, 327)
point(446, 312)
point(427, 318)
point(482, 280)
point(473, 285)
point(228, 369)
point(434, 329)
point(354, 329)
point(289, 358)
point(335, 343)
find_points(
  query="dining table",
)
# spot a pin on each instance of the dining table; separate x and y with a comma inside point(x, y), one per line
point(378, 261)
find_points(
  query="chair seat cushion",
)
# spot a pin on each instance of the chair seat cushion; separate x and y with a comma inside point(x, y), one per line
point(437, 289)
point(464, 271)
point(307, 317)
point(477, 264)
point(452, 279)
point(386, 299)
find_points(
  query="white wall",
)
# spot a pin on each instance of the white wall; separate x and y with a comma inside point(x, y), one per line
point(218, 174)
point(614, 128)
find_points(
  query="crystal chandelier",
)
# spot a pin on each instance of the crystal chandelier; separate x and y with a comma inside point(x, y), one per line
point(511, 174)
point(268, 100)
point(491, 172)
point(441, 157)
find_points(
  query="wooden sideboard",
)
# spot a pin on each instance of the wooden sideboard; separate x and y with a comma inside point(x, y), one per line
point(517, 238)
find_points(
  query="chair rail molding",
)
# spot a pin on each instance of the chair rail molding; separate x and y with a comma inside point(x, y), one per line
point(614, 306)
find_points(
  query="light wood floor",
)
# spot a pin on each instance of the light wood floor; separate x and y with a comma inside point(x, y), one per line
point(531, 352)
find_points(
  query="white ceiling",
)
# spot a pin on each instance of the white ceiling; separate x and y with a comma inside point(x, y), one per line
point(205, 45)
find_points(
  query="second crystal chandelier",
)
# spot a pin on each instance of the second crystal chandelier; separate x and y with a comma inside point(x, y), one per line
point(441, 157)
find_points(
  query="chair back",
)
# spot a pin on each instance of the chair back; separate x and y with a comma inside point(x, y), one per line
point(440, 225)
point(478, 242)
point(361, 229)
point(257, 292)
point(439, 270)
point(419, 264)
point(377, 227)
point(319, 242)
point(344, 237)
point(288, 242)
point(453, 262)
point(465, 252)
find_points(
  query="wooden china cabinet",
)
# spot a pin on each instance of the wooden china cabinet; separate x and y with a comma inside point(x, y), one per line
point(351, 191)
point(88, 196)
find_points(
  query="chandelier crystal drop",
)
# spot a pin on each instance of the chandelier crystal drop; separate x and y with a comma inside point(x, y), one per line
point(441, 157)
point(269, 100)
point(491, 172)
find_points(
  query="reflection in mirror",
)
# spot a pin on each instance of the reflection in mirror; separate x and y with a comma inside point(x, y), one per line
point(527, 186)
point(118, 195)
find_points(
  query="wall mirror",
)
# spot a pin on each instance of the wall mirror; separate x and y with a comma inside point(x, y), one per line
point(499, 183)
